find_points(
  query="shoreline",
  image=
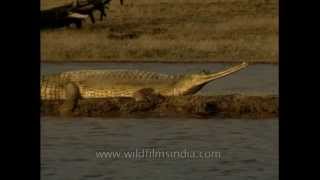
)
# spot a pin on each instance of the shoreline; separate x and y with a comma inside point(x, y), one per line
point(221, 106)
point(158, 61)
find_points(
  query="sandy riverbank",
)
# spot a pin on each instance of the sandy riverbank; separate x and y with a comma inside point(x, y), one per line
point(222, 106)
point(171, 31)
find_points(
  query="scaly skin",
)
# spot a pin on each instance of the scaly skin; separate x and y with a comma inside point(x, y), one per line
point(72, 85)
point(124, 83)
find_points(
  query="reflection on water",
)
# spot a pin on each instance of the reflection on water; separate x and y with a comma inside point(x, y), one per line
point(249, 148)
point(256, 79)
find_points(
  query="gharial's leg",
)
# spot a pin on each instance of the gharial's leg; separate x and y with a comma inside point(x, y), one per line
point(72, 96)
point(145, 99)
point(147, 95)
point(143, 94)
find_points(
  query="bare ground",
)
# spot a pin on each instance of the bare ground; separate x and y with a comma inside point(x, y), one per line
point(171, 31)
point(223, 106)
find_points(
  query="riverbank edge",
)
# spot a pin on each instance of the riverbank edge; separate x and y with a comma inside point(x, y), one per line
point(221, 106)
point(157, 61)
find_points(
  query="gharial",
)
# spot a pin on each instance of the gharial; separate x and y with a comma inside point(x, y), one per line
point(72, 85)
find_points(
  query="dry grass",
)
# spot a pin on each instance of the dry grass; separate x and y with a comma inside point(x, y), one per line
point(171, 31)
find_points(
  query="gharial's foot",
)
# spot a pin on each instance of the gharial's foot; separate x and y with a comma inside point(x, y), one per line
point(67, 108)
point(147, 95)
point(142, 94)
point(72, 97)
point(145, 100)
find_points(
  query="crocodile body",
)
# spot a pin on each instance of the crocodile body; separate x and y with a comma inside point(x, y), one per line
point(124, 83)
point(105, 83)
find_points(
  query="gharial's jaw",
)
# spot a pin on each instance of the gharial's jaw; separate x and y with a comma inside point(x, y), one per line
point(192, 84)
point(213, 76)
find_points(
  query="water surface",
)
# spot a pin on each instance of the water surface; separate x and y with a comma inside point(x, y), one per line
point(249, 148)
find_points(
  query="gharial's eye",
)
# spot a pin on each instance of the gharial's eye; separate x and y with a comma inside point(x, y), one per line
point(205, 71)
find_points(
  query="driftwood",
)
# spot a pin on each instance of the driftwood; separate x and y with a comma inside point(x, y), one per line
point(59, 17)
point(89, 6)
point(223, 106)
point(73, 13)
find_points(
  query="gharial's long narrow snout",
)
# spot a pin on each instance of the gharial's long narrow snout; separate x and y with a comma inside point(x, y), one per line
point(212, 76)
point(191, 85)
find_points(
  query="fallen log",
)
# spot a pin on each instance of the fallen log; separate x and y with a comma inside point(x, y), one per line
point(72, 13)
point(61, 16)
point(222, 106)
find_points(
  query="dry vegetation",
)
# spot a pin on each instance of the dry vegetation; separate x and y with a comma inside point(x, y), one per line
point(171, 31)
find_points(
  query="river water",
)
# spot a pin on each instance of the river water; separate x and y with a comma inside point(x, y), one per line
point(247, 148)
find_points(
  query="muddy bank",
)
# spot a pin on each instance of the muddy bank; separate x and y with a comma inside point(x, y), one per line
point(226, 61)
point(223, 106)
